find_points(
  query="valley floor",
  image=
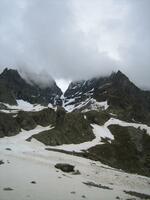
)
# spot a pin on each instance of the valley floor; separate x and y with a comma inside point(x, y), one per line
point(28, 172)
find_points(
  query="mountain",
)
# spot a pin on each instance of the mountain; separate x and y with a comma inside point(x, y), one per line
point(116, 91)
point(13, 86)
point(106, 119)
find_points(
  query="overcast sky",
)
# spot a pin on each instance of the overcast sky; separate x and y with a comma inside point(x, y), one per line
point(77, 39)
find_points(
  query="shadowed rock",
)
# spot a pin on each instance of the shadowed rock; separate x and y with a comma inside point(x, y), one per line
point(33, 182)
point(8, 149)
point(8, 189)
point(65, 167)
point(1, 162)
point(13, 86)
point(97, 185)
point(137, 194)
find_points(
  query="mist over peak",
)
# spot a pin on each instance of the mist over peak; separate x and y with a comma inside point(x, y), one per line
point(76, 39)
point(42, 79)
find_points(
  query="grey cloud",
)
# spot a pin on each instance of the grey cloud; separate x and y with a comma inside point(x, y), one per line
point(72, 39)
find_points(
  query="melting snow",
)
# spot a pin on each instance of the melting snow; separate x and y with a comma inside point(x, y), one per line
point(68, 101)
point(87, 105)
point(112, 121)
point(25, 106)
point(29, 161)
point(18, 142)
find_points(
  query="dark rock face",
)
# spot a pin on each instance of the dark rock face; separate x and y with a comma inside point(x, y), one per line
point(123, 97)
point(1, 162)
point(33, 182)
point(8, 125)
point(97, 117)
point(29, 120)
point(25, 120)
point(8, 189)
point(65, 167)
point(92, 184)
point(13, 86)
point(44, 117)
point(6, 95)
point(8, 149)
point(130, 150)
point(137, 194)
point(69, 128)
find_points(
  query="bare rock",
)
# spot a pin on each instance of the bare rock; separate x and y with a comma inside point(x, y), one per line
point(65, 167)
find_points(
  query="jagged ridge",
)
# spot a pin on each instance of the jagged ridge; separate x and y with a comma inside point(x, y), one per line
point(13, 86)
point(123, 97)
point(125, 100)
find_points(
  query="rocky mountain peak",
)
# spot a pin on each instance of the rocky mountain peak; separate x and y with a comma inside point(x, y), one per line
point(10, 72)
point(119, 78)
point(120, 75)
point(116, 90)
point(11, 77)
point(13, 86)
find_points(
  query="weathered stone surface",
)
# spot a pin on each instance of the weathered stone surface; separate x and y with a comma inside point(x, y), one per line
point(92, 184)
point(123, 97)
point(137, 194)
point(1, 162)
point(13, 86)
point(33, 182)
point(65, 167)
point(8, 125)
point(70, 128)
point(8, 189)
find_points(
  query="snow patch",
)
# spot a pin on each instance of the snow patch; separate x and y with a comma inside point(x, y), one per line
point(29, 161)
point(69, 101)
point(102, 132)
point(113, 121)
point(103, 105)
point(87, 105)
point(52, 107)
point(24, 105)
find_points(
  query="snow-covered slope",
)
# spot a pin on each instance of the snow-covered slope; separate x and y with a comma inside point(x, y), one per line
point(28, 172)
point(25, 106)
point(114, 121)
point(84, 106)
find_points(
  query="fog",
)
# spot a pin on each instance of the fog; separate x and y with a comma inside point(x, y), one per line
point(74, 39)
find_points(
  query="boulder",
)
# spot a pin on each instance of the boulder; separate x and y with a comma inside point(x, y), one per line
point(65, 167)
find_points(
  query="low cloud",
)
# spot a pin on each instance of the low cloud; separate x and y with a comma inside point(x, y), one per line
point(73, 39)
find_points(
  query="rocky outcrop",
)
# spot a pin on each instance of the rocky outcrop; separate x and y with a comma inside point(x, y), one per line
point(129, 150)
point(69, 128)
point(44, 117)
point(65, 167)
point(8, 125)
point(25, 120)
